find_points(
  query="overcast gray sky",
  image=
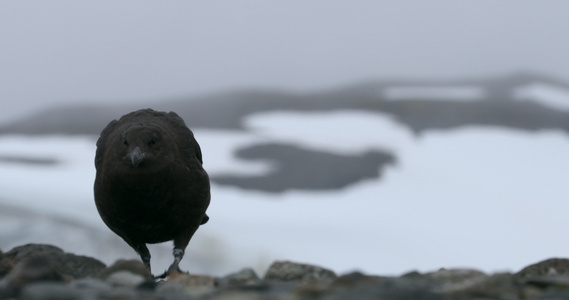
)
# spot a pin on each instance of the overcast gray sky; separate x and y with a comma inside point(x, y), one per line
point(108, 51)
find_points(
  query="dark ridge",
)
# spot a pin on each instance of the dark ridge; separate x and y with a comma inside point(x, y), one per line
point(29, 160)
point(228, 110)
point(302, 169)
point(421, 116)
point(78, 119)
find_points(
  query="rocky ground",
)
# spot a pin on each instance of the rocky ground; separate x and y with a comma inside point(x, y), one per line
point(37, 271)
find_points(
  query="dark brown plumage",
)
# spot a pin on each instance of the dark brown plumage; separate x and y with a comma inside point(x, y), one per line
point(150, 185)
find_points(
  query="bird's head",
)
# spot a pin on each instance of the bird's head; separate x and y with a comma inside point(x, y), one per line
point(145, 147)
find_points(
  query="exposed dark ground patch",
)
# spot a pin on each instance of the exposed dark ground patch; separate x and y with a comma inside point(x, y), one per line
point(302, 169)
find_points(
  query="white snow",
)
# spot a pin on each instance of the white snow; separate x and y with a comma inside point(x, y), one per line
point(546, 94)
point(456, 93)
point(493, 199)
point(64, 189)
point(217, 149)
point(343, 132)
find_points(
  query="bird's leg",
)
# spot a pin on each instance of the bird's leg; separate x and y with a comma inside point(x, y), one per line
point(179, 245)
point(174, 267)
point(178, 255)
point(142, 250)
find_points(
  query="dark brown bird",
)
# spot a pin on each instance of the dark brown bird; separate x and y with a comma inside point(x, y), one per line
point(150, 185)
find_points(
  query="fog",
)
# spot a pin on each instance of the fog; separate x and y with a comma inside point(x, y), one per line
point(126, 51)
point(478, 138)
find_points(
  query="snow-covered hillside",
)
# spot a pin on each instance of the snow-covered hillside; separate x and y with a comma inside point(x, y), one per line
point(487, 197)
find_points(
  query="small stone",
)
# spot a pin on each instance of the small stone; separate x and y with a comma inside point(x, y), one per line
point(243, 277)
point(191, 280)
point(125, 279)
point(190, 285)
point(90, 284)
point(51, 291)
point(359, 286)
point(289, 271)
point(413, 274)
point(131, 265)
point(124, 293)
point(355, 278)
point(237, 294)
point(456, 279)
point(495, 286)
point(455, 275)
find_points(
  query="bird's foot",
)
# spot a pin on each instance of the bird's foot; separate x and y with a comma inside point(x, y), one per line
point(174, 267)
point(171, 270)
point(168, 273)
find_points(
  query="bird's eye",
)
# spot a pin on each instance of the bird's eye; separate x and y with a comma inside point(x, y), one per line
point(125, 142)
point(152, 142)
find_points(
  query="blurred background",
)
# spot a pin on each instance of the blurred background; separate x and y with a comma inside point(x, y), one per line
point(379, 136)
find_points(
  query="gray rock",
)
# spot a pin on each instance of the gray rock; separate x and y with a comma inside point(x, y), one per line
point(456, 275)
point(190, 285)
point(131, 265)
point(457, 279)
point(551, 286)
point(413, 274)
point(90, 285)
point(356, 278)
point(6, 264)
point(36, 275)
point(125, 279)
point(260, 290)
point(496, 286)
point(543, 282)
point(550, 266)
point(359, 286)
point(21, 253)
point(78, 266)
point(72, 265)
point(53, 291)
point(243, 277)
point(290, 271)
point(33, 269)
point(249, 294)
point(124, 293)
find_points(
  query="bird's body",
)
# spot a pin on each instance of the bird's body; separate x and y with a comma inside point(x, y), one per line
point(150, 185)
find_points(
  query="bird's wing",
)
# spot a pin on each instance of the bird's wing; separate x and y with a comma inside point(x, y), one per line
point(102, 142)
point(188, 143)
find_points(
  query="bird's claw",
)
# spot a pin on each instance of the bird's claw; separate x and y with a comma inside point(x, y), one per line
point(162, 276)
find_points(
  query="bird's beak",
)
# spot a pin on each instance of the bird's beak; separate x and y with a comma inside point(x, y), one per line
point(136, 156)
